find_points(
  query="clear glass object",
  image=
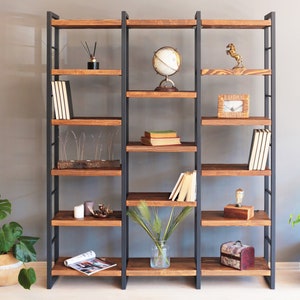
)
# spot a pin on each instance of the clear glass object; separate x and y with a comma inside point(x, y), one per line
point(160, 256)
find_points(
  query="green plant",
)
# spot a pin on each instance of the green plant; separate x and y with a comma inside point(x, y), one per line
point(150, 221)
point(293, 221)
point(22, 247)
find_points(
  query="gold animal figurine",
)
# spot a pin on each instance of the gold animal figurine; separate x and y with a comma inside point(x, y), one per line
point(232, 52)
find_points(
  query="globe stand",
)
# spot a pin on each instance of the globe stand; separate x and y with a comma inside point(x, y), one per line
point(166, 85)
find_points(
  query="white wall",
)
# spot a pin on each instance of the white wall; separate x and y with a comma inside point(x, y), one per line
point(23, 132)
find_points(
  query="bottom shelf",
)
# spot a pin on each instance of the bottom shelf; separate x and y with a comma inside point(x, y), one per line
point(59, 269)
point(210, 266)
point(179, 267)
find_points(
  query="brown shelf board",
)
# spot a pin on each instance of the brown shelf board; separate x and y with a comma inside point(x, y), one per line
point(252, 121)
point(89, 121)
point(66, 218)
point(178, 267)
point(86, 72)
point(236, 24)
point(210, 266)
point(86, 24)
point(59, 269)
point(216, 218)
point(156, 199)
point(237, 71)
point(161, 23)
point(86, 172)
point(232, 170)
point(154, 94)
point(139, 147)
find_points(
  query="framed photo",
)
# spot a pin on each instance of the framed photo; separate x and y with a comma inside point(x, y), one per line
point(233, 106)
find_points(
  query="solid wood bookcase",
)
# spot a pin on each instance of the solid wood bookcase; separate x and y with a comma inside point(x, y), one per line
point(197, 265)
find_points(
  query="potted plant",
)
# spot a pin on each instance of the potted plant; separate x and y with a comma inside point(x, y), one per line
point(15, 246)
point(293, 221)
point(150, 221)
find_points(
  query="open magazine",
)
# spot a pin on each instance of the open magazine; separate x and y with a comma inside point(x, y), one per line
point(88, 263)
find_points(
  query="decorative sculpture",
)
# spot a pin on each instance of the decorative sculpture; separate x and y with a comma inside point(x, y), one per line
point(231, 50)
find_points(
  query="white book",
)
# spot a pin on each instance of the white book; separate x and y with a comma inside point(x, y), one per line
point(67, 99)
point(186, 182)
point(176, 188)
point(58, 100)
point(266, 150)
point(192, 192)
point(253, 148)
point(255, 164)
point(54, 96)
point(262, 149)
point(61, 100)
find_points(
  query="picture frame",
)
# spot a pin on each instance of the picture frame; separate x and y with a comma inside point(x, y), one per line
point(233, 106)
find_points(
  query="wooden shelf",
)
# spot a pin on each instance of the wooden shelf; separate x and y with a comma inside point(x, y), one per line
point(86, 172)
point(178, 267)
point(86, 24)
point(161, 23)
point(236, 24)
point(231, 170)
point(154, 94)
point(210, 266)
point(156, 199)
point(139, 147)
point(66, 218)
point(237, 71)
point(80, 121)
point(216, 218)
point(86, 72)
point(252, 121)
point(59, 269)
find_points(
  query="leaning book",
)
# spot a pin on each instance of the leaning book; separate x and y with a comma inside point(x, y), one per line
point(88, 263)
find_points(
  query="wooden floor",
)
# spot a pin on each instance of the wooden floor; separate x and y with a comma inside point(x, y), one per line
point(144, 288)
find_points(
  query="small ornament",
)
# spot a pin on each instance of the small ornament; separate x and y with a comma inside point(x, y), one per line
point(239, 195)
point(232, 52)
point(166, 62)
point(92, 64)
point(103, 211)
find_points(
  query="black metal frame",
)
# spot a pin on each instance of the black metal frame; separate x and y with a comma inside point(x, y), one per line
point(52, 143)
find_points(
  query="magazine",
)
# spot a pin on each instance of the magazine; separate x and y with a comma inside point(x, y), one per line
point(88, 263)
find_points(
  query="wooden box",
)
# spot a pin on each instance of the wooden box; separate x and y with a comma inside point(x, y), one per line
point(237, 255)
point(243, 212)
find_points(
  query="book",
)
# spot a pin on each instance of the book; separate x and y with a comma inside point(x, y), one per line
point(186, 184)
point(177, 187)
point(265, 151)
point(161, 134)
point(160, 141)
point(62, 99)
point(192, 191)
point(88, 264)
point(253, 147)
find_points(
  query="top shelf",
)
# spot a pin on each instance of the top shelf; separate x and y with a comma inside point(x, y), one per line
point(161, 23)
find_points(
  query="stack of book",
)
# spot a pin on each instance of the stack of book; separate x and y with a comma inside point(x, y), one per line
point(185, 188)
point(160, 138)
point(62, 99)
point(259, 150)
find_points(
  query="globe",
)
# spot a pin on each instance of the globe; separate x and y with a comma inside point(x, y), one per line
point(166, 62)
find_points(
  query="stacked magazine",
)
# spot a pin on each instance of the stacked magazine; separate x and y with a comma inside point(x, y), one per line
point(88, 263)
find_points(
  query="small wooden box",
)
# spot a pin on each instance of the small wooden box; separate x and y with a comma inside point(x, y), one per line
point(236, 255)
point(244, 212)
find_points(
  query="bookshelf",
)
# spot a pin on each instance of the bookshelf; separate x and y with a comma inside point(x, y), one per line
point(196, 266)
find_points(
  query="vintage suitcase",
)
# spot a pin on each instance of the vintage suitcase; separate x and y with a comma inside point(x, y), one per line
point(237, 255)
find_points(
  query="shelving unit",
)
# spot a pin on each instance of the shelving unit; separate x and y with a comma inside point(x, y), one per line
point(57, 218)
point(197, 265)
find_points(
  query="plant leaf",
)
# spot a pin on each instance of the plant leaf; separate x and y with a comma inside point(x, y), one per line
point(9, 234)
point(5, 208)
point(24, 250)
point(27, 277)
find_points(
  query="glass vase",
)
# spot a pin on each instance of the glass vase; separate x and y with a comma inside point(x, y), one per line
point(160, 256)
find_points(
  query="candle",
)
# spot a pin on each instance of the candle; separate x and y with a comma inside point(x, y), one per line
point(87, 206)
point(79, 211)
